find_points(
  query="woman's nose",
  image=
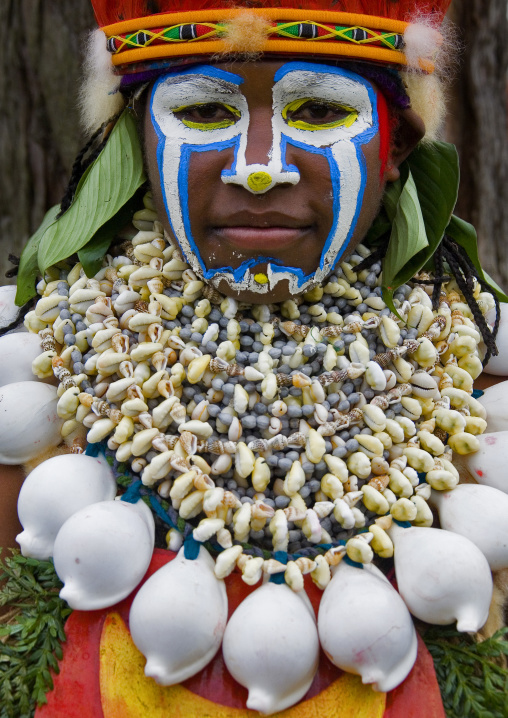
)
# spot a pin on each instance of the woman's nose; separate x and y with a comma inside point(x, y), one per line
point(258, 164)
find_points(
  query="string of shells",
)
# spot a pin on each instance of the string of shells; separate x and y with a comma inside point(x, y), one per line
point(304, 428)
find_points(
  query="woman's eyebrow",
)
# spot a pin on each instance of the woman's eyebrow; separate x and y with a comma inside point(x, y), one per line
point(204, 83)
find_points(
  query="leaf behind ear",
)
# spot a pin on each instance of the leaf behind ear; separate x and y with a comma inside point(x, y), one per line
point(422, 209)
point(435, 170)
point(105, 187)
point(28, 267)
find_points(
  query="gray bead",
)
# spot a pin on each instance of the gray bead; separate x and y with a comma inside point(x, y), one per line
point(307, 409)
point(214, 410)
point(309, 350)
point(282, 501)
point(326, 524)
point(340, 452)
point(285, 464)
point(253, 357)
point(78, 367)
point(263, 422)
point(307, 467)
point(294, 412)
point(274, 352)
point(347, 388)
point(249, 421)
point(292, 455)
point(352, 445)
point(354, 430)
point(305, 491)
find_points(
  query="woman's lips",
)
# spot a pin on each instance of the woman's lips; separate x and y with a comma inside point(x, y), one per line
point(261, 238)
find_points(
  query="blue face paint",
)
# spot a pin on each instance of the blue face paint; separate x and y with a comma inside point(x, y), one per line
point(340, 144)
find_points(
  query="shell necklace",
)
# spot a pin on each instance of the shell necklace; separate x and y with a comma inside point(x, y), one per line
point(296, 431)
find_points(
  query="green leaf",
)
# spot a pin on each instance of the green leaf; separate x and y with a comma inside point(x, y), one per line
point(105, 187)
point(464, 234)
point(435, 170)
point(28, 267)
point(92, 253)
point(408, 235)
point(408, 238)
point(420, 207)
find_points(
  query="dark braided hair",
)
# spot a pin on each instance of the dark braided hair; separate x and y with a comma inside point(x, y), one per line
point(464, 271)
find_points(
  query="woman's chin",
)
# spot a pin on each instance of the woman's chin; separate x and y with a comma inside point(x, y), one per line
point(280, 293)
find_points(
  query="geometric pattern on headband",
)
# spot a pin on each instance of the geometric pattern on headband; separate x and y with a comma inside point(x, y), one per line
point(293, 30)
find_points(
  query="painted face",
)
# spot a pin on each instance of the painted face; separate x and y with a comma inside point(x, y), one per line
point(263, 171)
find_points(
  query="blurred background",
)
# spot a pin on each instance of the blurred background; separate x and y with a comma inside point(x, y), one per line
point(40, 62)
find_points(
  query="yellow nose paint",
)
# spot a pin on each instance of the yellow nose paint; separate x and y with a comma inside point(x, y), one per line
point(261, 278)
point(259, 181)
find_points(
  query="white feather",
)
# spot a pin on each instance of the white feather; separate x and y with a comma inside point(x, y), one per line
point(421, 43)
point(100, 97)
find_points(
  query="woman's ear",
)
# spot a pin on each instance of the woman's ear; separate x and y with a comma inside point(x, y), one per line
point(408, 132)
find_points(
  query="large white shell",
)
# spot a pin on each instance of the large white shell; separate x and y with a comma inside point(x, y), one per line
point(442, 577)
point(102, 552)
point(271, 647)
point(29, 424)
point(178, 618)
point(365, 627)
point(481, 514)
point(53, 492)
point(17, 351)
point(8, 310)
point(498, 365)
point(488, 465)
point(495, 401)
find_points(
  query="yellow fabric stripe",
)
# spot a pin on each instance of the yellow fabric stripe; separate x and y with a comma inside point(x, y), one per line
point(276, 14)
point(292, 47)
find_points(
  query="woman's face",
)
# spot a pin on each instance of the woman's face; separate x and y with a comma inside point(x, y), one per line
point(266, 173)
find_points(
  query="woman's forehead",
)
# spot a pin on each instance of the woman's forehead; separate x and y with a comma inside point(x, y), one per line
point(261, 80)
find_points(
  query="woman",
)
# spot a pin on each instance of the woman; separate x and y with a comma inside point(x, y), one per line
point(241, 358)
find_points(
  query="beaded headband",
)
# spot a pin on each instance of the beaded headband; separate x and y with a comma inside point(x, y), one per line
point(377, 34)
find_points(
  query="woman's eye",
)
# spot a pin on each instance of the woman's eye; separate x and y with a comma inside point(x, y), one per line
point(207, 116)
point(315, 115)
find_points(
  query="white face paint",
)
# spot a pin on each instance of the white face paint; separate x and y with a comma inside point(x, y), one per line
point(340, 142)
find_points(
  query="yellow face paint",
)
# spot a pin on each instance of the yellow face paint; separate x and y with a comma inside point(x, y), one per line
point(261, 278)
point(207, 126)
point(259, 181)
point(294, 106)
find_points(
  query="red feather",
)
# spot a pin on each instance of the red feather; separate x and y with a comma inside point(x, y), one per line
point(108, 12)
